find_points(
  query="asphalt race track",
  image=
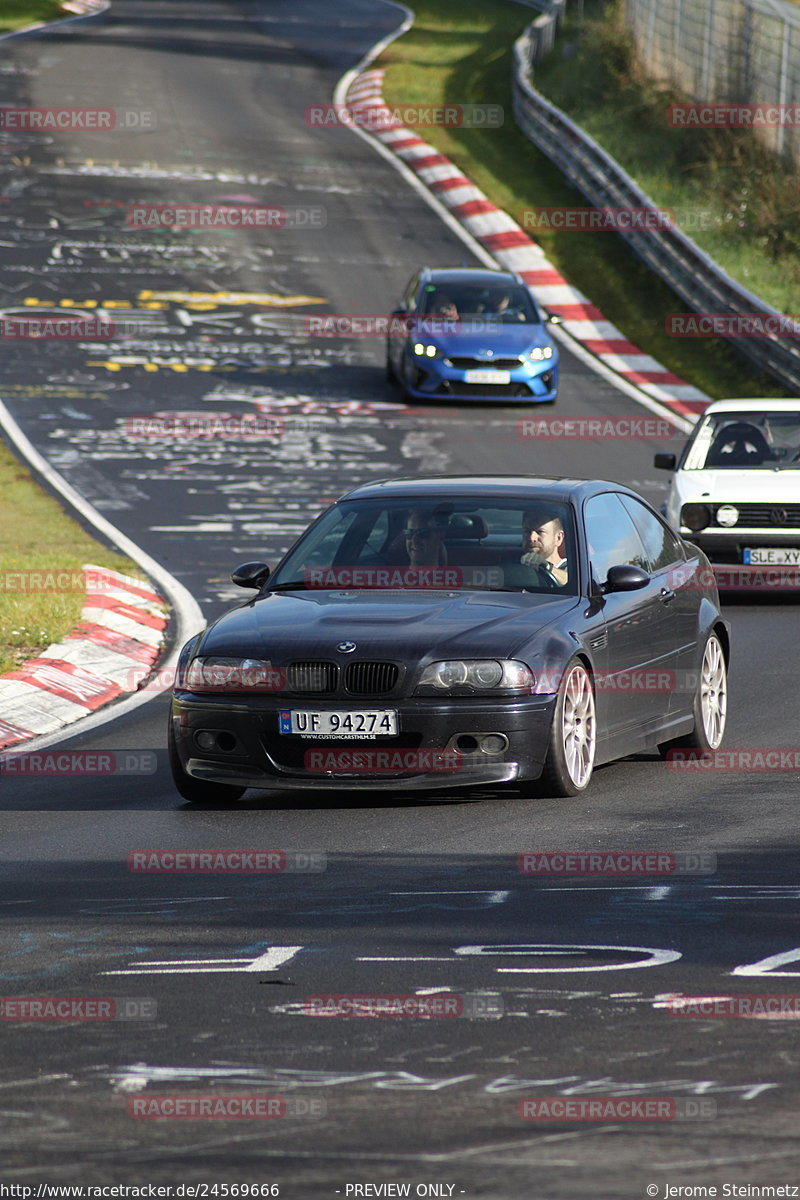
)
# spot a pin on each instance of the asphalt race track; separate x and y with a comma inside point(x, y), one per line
point(573, 974)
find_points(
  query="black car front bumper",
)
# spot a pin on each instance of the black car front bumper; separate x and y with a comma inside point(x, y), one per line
point(249, 750)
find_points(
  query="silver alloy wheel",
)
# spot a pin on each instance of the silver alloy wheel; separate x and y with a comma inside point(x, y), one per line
point(578, 726)
point(713, 692)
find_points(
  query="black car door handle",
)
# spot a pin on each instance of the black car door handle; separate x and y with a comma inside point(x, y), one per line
point(667, 595)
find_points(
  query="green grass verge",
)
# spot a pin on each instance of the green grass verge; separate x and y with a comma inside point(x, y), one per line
point(739, 198)
point(459, 51)
point(37, 535)
point(15, 14)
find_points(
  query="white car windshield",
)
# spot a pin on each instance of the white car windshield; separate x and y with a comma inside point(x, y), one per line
point(744, 441)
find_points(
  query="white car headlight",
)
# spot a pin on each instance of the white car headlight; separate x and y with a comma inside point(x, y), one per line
point(482, 674)
point(539, 353)
point(425, 350)
point(216, 674)
point(727, 514)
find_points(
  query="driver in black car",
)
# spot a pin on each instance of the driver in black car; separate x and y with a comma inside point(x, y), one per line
point(543, 562)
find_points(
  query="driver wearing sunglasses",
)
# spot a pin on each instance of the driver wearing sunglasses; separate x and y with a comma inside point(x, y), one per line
point(423, 539)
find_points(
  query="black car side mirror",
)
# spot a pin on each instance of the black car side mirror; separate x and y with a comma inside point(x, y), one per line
point(666, 462)
point(251, 575)
point(554, 319)
point(625, 578)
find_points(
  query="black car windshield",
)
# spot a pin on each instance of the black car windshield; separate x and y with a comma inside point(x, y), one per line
point(430, 543)
point(743, 440)
point(501, 303)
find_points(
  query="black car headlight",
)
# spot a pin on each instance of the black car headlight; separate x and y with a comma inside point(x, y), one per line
point(479, 674)
point(695, 516)
point(218, 674)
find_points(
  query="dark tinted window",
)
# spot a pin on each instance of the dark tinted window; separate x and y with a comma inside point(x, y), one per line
point(661, 546)
point(611, 535)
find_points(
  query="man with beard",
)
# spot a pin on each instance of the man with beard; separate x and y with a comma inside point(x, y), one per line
point(543, 562)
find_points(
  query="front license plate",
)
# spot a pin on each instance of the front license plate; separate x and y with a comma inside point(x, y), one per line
point(487, 377)
point(347, 723)
point(772, 556)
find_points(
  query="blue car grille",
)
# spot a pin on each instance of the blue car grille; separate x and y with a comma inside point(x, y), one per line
point(483, 364)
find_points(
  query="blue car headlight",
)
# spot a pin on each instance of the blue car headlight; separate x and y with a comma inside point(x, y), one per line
point(539, 354)
point(426, 350)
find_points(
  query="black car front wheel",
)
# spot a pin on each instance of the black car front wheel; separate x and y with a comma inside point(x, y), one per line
point(197, 791)
point(573, 736)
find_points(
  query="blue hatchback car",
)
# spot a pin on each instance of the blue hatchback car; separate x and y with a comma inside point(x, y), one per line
point(472, 335)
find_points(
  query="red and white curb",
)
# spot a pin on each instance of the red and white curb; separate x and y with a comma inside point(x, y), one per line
point(84, 8)
point(514, 249)
point(109, 654)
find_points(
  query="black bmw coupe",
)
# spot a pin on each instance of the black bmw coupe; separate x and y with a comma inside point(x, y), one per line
point(447, 631)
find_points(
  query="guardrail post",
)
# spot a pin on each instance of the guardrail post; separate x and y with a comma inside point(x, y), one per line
point(708, 42)
point(780, 137)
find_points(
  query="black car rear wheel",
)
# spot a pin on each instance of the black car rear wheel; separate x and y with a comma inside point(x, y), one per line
point(710, 706)
point(573, 736)
point(197, 791)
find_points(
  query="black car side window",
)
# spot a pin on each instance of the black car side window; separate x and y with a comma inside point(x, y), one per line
point(611, 536)
point(661, 546)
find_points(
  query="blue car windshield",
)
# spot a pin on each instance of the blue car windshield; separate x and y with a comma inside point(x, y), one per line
point(451, 544)
point(505, 304)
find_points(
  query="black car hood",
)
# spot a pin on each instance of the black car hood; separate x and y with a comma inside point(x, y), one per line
point(407, 625)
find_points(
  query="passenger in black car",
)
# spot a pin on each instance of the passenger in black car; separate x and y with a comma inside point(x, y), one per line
point(423, 538)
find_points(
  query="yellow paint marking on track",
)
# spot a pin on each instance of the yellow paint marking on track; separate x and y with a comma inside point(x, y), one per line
point(268, 299)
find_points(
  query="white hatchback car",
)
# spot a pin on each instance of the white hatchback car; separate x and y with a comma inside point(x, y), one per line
point(736, 488)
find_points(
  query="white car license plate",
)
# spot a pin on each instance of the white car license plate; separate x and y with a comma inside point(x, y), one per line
point(487, 377)
point(772, 556)
point(339, 723)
